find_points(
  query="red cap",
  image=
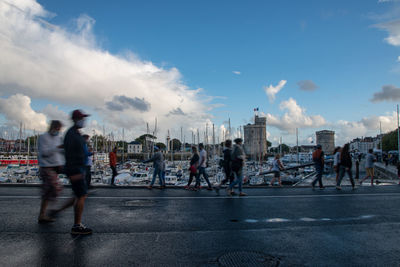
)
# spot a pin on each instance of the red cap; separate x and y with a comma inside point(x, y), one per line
point(78, 114)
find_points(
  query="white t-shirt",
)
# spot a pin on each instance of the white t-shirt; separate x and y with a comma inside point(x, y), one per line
point(49, 154)
point(203, 154)
point(336, 159)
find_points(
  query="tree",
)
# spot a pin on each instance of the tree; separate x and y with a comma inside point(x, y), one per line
point(175, 144)
point(269, 144)
point(389, 141)
point(162, 146)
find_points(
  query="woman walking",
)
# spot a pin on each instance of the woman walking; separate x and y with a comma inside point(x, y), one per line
point(336, 161)
point(345, 166)
point(277, 166)
point(227, 165)
point(194, 163)
point(238, 158)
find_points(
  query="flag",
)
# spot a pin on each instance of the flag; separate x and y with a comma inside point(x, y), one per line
point(256, 109)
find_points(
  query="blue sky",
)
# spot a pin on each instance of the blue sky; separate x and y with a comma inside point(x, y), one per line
point(334, 44)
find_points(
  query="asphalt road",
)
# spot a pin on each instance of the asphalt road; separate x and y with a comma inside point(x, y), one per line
point(175, 227)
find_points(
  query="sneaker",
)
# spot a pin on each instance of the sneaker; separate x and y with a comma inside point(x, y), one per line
point(321, 187)
point(313, 186)
point(150, 187)
point(186, 187)
point(209, 188)
point(80, 230)
point(242, 194)
point(338, 188)
point(45, 219)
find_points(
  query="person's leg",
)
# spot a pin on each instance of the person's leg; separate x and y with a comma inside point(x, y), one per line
point(351, 177)
point(341, 174)
point(78, 209)
point(160, 177)
point(240, 180)
point(88, 175)
point(372, 173)
point(206, 178)
point(114, 173)
point(154, 177)
point(235, 181)
point(191, 175)
point(43, 206)
point(319, 176)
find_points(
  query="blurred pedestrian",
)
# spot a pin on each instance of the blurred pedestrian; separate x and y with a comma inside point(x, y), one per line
point(319, 161)
point(238, 160)
point(51, 160)
point(336, 161)
point(345, 166)
point(75, 168)
point(227, 165)
point(277, 167)
point(194, 164)
point(369, 166)
point(113, 164)
point(158, 165)
point(88, 160)
point(202, 168)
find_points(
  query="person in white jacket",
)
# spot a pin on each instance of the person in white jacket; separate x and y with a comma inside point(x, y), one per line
point(51, 160)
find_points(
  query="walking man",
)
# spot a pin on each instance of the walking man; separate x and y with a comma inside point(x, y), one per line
point(345, 166)
point(51, 161)
point(202, 168)
point(369, 167)
point(75, 168)
point(227, 165)
point(158, 165)
point(113, 164)
point(318, 158)
point(238, 158)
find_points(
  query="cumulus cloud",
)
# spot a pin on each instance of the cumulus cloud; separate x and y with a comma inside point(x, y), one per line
point(271, 90)
point(307, 85)
point(121, 102)
point(393, 29)
point(294, 117)
point(176, 112)
point(236, 72)
point(388, 93)
point(67, 67)
point(17, 109)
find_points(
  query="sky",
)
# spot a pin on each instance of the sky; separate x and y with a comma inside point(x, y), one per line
point(311, 65)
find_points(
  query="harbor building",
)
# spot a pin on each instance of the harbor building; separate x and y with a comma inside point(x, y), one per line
point(326, 139)
point(255, 138)
point(134, 147)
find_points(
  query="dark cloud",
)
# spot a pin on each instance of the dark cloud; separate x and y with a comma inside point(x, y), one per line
point(388, 93)
point(121, 102)
point(176, 112)
point(307, 85)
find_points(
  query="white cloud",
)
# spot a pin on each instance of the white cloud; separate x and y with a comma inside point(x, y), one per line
point(294, 117)
point(271, 90)
point(393, 29)
point(45, 61)
point(236, 72)
point(17, 109)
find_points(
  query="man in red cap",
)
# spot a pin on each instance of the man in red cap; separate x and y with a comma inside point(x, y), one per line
point(74, 147)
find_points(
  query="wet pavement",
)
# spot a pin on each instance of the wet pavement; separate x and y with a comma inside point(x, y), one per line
point(175, 227)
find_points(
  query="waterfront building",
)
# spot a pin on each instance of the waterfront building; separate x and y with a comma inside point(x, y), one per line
point(326, 139)
point(255, 138)
point(134, 147)
point(363, 144)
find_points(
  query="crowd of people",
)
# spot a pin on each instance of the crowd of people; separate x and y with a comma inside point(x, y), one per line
point(72, 155)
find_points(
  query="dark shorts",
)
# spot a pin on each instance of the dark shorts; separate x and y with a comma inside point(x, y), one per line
point(277, 174)
point(80, 186)
point(50, 186)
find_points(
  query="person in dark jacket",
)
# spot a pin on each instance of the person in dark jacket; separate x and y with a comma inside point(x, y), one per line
point(345, 166)
point(158, 165)
point(318, 158)
point(227, 165)
point(75, 167)
point(194, 164)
